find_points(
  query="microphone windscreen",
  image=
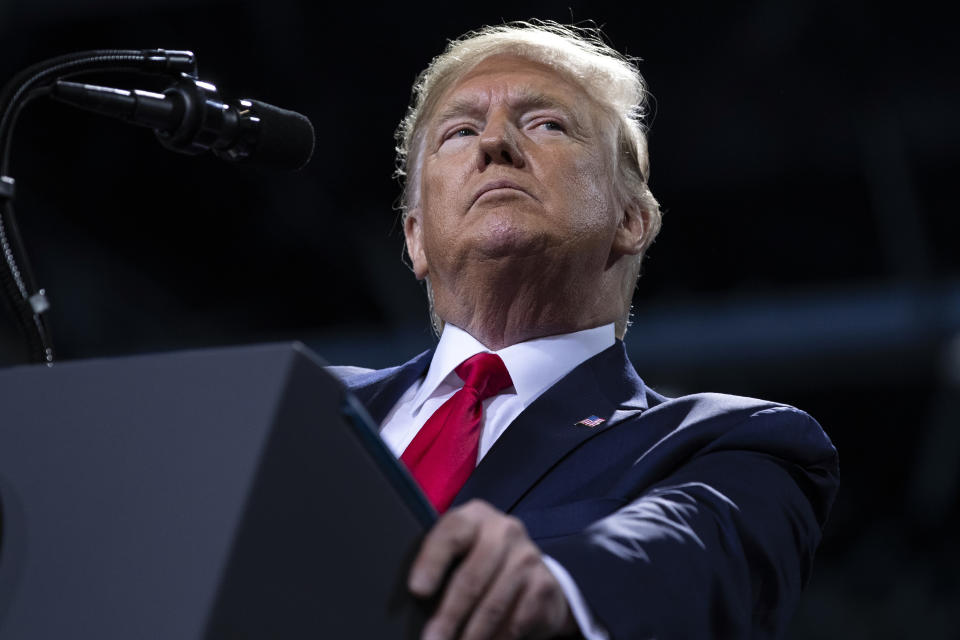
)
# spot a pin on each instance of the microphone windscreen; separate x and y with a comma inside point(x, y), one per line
point(285, 139)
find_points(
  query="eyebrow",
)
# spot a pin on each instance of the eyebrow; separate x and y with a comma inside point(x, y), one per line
point(461, 106)
point(527, 99)
point(521, 100)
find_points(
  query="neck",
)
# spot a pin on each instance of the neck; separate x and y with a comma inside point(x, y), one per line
point(501, 307)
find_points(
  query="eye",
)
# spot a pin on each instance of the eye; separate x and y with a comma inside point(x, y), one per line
point(462, 132)
point(551, 125)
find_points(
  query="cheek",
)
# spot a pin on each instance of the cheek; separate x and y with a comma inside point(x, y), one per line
point(440, 183)
point(587, 187)
point(440, 204)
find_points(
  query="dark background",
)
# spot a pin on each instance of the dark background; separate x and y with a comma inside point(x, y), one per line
point(804, 154)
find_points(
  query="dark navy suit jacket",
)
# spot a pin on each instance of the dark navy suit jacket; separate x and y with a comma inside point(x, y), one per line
point(693, 517)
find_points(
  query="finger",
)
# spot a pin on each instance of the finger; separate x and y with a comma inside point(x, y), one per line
point(498, 537)
point(451, 537)
point(495, 610)
point(541, 609)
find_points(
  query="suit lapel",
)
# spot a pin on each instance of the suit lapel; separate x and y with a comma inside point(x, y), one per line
point(605, 386)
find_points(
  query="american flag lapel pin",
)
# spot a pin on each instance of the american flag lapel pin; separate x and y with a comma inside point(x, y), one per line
point(592, 421)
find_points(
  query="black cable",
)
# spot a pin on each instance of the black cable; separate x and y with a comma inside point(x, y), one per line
point(33, 324)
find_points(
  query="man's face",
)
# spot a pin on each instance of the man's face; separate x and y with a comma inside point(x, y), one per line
point(515, 165)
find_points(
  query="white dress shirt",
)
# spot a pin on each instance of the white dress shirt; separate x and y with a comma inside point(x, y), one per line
point(534, 366)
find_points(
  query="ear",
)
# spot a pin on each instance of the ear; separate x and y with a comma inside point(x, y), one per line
point(632, 231)
point(413, 232)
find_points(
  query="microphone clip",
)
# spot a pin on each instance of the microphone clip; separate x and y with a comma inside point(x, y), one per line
point(208, 123)
point(7, 189)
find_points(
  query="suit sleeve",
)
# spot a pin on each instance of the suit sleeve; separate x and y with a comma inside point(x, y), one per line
point(721, 545)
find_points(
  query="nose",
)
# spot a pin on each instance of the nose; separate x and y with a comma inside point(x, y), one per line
point(498, 144)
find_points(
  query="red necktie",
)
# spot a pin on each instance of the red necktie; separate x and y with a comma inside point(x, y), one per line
point(444, 452)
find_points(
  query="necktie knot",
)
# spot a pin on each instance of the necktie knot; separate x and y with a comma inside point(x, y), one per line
point(485, 374)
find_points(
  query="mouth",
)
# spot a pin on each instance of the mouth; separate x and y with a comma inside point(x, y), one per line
point(500, 185)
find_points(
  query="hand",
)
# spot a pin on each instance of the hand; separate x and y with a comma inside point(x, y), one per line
point(501, 589)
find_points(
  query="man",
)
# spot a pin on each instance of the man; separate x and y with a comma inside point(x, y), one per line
point(575, 500)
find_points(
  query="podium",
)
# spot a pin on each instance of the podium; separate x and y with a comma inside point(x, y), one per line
point(225, 493)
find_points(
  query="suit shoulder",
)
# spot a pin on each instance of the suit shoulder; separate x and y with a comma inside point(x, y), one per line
point(353, 377)
point(349, 375)
point(702, 406)
point(345, 372)
point(732, 416)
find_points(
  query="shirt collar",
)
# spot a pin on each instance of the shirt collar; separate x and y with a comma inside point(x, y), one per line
point(534, 365)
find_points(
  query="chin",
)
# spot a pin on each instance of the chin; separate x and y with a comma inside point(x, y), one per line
point(503, 237)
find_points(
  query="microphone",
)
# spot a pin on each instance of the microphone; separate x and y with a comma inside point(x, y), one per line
point(190, 118)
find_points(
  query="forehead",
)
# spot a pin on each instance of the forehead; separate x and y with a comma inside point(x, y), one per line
point(505, 76)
